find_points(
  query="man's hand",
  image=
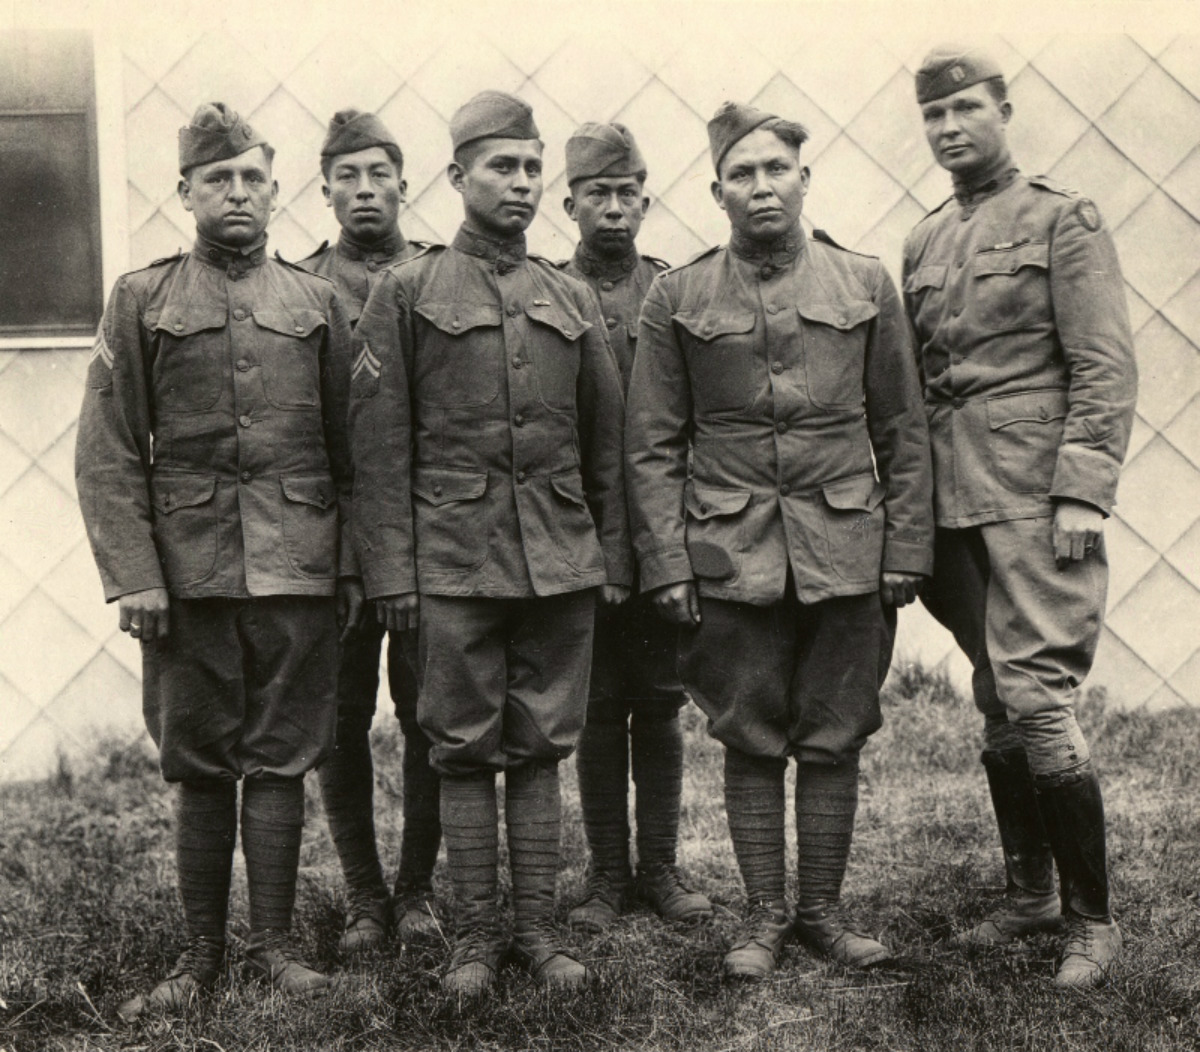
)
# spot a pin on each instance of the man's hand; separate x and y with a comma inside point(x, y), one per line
point(398, 613)
point(144, 615)
point(613, 594)
point(677, 603)
point(1077, 530)
point(350, 601)
point(900, 589)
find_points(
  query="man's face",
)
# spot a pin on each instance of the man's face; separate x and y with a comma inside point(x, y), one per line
point(761, 185)
point(609, 211)
point(501, 185)
point(967, 130)
point(232, 200)
point(365, 192)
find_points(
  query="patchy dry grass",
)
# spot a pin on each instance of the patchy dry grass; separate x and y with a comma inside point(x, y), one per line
point(88, 916)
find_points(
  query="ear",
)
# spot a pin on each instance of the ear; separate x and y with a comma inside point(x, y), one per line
point(404, 191)
point(805, 177)
point(457, 175)
point(184, 190)
point(274, 194)
point(645, 205)
point(1006, 111)
point(325, 194)
point(569, 207)
point(718, 195)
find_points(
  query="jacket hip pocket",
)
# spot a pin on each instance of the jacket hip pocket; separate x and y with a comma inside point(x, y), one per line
point(854, 519)
point(714, 532)
point(1025, 431)
point(451, 522)
point(310, 525)
point(185, 526)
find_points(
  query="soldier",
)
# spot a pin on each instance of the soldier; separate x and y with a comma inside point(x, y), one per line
point(786, 364)
point(1017, 302)
point(363, 168)
point(221, 547)
point(486, 419)
point(635, 694)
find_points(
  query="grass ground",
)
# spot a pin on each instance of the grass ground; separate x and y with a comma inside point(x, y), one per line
point(88, 916)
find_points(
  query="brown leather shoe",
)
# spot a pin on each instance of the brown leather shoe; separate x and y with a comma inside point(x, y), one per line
point(474, 962)
point(414, 916)
point(1016, 917)
point(272, 954)
point(366, 923)
point(602, 904)
point(820, 928)
point(195, 971)
point(1091, 948)
point(755, 948)
point(541, 953)
point(662, 886)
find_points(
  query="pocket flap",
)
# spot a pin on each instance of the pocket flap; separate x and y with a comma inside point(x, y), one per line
point(315, 491)
point(931, 277)
point(186, 320)
point(457, 318)
point(569, 486)
point(172, 492)
point(1010, 260)
point(290, 322)
point(859, 493)
point(711, 325)
point(706, 502)
point(569, 323)
point(843, 316)
point(438, 486)
point(1031, 406)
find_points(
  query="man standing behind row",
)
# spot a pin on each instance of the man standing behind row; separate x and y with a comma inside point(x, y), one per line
point(1017, 302)
point(486, 422)
point(214, 477)
point(786, 364)
point(363, 169)
point(635, 695)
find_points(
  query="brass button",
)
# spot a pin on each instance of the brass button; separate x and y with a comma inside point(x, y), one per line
point(957, 311)
point(520, 476)
point(784, 490)
point(781, 427)
point(244, 420)
point(246, 476)
point(708, 330)
point(372, 265)
point(703, 509)
point(611, 322)
point(519, 420)
point(456, 324)
point(300, 329)
point(517, 363)
point(958, 403)
point(772, 309)
point(179, 326)
point(607, 286)
point(513, 311)
point(242, 365)
point(437, 490)
point(842, 319)
point(777, 367)
point(239, 314)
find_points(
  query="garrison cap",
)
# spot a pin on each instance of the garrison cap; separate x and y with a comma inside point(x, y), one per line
point(492, 115)
point(215, 134)
point(733, 121)
point(597, 150)
point(352, 130)
point(950, 68)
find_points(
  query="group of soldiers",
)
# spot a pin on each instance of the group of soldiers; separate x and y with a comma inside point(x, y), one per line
point(573, 496)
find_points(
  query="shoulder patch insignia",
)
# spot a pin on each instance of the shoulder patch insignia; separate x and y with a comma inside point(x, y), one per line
point(1088, 214)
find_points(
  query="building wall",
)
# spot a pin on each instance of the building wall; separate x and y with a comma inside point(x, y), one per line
point(1117, 116)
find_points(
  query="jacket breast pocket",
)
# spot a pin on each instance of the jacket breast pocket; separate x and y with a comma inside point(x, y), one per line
point(554, 344)
point(854, 520)
point(715, 533)
point(835, 348)
point(289, 350)
point(310, 524)
point(921, 289)
point(722, 359)
point(451, 518)
point(1011, 287)
point(191, 357)
point(460, 355)
point(1025, 431)
point(185, 526)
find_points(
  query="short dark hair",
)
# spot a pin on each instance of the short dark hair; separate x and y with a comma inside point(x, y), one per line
point(998, 89)
point(395, 155)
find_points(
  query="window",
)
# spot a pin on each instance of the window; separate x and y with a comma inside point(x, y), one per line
point(50, 261)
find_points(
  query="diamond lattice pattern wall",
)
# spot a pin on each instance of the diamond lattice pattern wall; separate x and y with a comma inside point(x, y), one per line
point(1117, 116)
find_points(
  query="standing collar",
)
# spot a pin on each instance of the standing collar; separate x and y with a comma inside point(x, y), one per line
point(597, 266)
point(382, 251)
point(1000, 176)
point(504, 255)
point(776, 254)
point(234, 260)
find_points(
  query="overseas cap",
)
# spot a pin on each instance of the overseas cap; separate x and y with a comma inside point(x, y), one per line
point(733, 121)
point(597, 150)
point(352, 130)
point(492, 115)
point(950, 68)
point(215, 134)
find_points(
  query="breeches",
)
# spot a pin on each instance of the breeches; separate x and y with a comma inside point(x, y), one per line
point(503, 681)
point(790, 679)
point(1029, 629)
point(242, 687)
